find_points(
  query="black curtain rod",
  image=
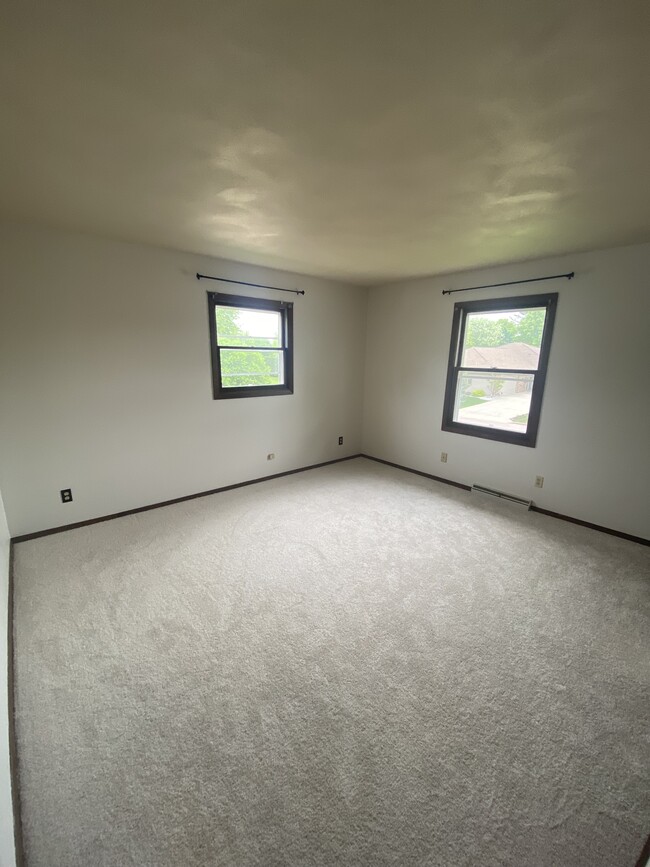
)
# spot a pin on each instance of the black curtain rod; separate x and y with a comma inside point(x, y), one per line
point(243, 283)
point(569, 276)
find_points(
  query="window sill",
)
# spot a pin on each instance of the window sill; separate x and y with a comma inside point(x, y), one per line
point(489, 433)
point(252, 391)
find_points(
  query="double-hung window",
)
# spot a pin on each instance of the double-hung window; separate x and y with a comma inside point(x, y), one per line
point(497, 367)
point(251, 341)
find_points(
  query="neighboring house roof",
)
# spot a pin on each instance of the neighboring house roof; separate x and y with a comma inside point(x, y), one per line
point(517, 355)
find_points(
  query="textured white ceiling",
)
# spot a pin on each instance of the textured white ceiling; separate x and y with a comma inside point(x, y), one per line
point(359, 139)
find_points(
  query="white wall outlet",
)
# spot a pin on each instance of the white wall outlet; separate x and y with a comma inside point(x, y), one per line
point(539, 481)
point(270, 456)
point(443, 457)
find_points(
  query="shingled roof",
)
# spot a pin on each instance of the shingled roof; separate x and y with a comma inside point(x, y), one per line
point(517, 355)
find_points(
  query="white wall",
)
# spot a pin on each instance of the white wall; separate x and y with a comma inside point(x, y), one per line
point(594, 435)
point(106, 385)
point(7, 852)
point(105, 382)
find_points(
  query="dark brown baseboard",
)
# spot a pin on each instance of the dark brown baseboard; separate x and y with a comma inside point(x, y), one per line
point(644, 857)
point(638, 539)
point(11, 703)
point(64, 527)
point(418, 472)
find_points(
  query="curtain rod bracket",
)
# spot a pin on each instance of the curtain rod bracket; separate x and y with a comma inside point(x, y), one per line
point(568, 276)
point(243, 283)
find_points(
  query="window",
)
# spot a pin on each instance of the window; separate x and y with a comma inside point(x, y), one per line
point(251, 340)
point(497, 367)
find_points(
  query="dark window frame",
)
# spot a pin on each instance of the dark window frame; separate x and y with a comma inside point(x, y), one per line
point(285, 308)
point(454, 367)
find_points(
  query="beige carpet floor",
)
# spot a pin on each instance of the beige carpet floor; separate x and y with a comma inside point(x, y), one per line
point(349, 666)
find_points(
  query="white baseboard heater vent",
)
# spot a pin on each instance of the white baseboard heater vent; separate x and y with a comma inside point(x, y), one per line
point(519, 501)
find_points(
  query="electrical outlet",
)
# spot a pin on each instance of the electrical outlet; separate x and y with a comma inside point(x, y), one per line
point(270, 456)
point(539, 481)
point(443, 457)
point(66, 495)
point(340, 441)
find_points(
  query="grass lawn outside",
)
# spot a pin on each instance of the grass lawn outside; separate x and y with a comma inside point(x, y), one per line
point(468, 400)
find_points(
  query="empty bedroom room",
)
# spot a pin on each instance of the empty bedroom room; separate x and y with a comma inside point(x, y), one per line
point(325, 491)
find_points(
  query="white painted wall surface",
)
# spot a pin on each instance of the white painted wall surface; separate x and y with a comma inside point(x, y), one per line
point(594, 438)
point(106, 385)
point(7, 851)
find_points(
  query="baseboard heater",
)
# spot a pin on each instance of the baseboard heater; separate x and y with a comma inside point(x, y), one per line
point(519, 501)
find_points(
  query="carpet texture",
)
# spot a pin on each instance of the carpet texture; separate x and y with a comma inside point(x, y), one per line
point(349, 666)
